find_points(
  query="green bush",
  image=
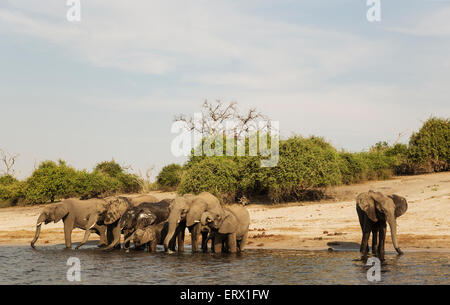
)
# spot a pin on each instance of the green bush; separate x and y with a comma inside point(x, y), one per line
point(6, 180)
point(11, 191)
point(429, 148)
point(352, 167)
point(304, 164)
point(50, 181)
point(377, 165)
point(217, 175)
point(92, 185)
point(128, 183)
point(53, 181)
point(170, 176)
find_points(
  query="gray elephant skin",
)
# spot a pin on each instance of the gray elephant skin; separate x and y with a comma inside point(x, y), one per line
point(374, 211)
point(231, 230)
point(186, 212)
point(149, 236)
point(75, 213)
point(121, 205)
point(144, 215)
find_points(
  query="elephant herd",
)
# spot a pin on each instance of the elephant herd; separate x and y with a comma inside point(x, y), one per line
point(148, 222)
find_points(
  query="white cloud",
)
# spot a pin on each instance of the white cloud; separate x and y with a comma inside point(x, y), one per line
point(434, 24)
point(214, 42)
point(314, 80)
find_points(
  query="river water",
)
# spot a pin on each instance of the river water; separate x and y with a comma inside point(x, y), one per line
point(48, 265)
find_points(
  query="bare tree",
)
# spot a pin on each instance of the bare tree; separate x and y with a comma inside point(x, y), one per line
point(400, 135)
point(8, 161)
point(146, 179)
point(215, 114)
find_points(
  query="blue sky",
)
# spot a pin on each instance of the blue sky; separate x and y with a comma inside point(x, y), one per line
point(109, 86)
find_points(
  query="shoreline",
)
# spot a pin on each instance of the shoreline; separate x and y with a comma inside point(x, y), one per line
point(304, 226)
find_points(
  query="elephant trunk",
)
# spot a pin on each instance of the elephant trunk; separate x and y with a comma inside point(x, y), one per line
point(127, 240)
point(36, 236)
point(393, 225)
point(170, 234)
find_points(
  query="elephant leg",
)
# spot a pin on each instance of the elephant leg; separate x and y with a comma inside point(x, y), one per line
point(87, 233)
point(382, 232)
point(217, 243)
point(89, 226)
point(243, 242)
point(364, 245)
point(194, 237)
point(180, 240)
point(102, 231)
point(212, 236)
point(365, 240)
point(152, 246)
point(363, 221)
point(109, 234)
point(68, 227)
point(204, 242)
point(116, 241)
point(231, 241)
point(375, 240)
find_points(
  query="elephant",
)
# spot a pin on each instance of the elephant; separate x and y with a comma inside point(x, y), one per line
point(157, 212)
point(151, 236)
point(116, 208)
point(374, 210)
point(82, 214)
point(231, 230)
point(186, 212)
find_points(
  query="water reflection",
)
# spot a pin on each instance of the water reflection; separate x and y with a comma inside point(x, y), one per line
point(47, 265)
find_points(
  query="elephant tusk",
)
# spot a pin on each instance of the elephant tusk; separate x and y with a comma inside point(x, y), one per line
point(196, 221)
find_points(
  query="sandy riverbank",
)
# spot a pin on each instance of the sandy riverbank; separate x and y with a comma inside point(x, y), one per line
point(306, 225)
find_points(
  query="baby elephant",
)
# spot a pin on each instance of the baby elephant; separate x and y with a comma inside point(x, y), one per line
point(150, 236)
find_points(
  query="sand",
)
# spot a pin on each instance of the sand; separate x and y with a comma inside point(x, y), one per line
point(301, 225)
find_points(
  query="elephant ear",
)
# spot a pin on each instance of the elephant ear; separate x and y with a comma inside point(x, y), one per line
point(229, 224)
point(196, 209)
point(401, 205)
point(117, 207)
point(367, 204)
point(145, 218)
point(60, 211)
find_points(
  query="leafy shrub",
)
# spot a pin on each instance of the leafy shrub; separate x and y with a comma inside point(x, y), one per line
point(110, 168)
point(352, 167)
point(217, 175)
point(429, 148)
point(92, 185)
point(304, 164)
point(53, 181)
point(377, 165)
point(11, 191)
point(170, 176)
point(128, 183)
point(6, 180)
point(50, 181)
